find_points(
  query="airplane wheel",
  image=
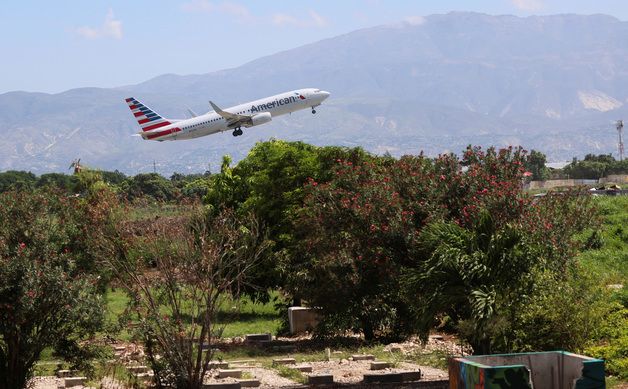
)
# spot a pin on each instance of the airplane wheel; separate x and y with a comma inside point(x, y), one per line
point(237, 132)
point(313, 111)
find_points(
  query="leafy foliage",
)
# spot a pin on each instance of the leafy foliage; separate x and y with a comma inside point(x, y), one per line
point(269, 183)
point(595, 166)
point(50, 248)
point(195, 265)
point(465, 240)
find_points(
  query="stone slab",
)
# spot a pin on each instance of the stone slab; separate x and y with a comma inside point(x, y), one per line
point(320, 379)
point(407, 376)
point(222, 385)
point(144, 376)
point(218, 365)
point(137, 369)
point(284, 361)
point(234, 373)
point(303, 368)
point(252, 383)
point(365, 357)
point(383, 378)
point(65, 373)
point(258, 337)
point(74, 381)
point(303, 319)
point(379, 365)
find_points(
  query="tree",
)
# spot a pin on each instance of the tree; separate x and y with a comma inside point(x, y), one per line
point(50, 245)
point(468, 273)
point(535, 163)
point(14, 179)
point(113, 178)
point(149, 184)
point(358, 233)
point(57, 180)
point(269, 183)
point(197, 264)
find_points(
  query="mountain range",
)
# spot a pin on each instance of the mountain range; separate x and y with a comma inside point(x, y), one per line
point(552, 83)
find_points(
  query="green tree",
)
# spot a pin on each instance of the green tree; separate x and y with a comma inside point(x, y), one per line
point(114, 178)
point(149, 184)
point(535, 164)
point(269, 183)
point(357, 233)
point(467, 273)
point(50, 245)
point(58, 180)
point(14, 179)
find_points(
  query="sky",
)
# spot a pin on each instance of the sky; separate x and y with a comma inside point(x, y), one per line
point(53, 46)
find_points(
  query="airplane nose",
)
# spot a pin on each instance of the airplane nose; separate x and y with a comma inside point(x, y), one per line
point(324, 94)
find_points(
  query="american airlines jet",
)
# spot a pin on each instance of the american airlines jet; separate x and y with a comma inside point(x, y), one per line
point(156, 127)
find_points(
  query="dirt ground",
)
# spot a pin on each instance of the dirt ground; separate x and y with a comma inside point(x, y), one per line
point(344, 370)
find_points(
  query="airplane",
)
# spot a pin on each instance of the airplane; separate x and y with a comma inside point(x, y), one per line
point(254, 113)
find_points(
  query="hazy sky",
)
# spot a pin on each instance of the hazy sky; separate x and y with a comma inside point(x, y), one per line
point(52, 46)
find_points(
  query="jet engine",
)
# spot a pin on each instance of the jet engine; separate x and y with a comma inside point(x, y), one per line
point(261, 118)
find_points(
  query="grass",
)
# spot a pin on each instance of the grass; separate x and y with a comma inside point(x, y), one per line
point(237, 317)
point(610, 257)
point(290, 373)
point(152, 210)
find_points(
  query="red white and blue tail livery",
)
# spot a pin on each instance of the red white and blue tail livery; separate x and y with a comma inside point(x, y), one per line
point(156, 127)
point(146, 117)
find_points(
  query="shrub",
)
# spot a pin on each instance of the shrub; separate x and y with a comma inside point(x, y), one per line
point(49, 250)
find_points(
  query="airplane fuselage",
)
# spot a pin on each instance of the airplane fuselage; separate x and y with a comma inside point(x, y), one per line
point(260, 111)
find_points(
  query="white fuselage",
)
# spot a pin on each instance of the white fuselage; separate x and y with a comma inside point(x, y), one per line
point(213, 122)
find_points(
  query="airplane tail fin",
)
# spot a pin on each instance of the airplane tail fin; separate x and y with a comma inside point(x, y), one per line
point(146, 117)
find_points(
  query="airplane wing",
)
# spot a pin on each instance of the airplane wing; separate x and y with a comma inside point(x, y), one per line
point(233, 119)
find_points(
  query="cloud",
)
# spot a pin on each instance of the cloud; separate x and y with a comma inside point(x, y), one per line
point(528, 5)
point(313, 20)
point(111, 28)
point(240, 12)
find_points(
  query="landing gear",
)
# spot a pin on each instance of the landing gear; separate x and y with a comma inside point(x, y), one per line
point(237, 132)
point(313, 111)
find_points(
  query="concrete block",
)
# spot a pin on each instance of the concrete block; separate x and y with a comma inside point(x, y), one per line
point(253, 383)
point(407, 376)
point(222, 385)
point(234, 373)
point(65, 373)
point(382, 378)
point(258, 338)
point(379, 365)
point(74, 381)
point(144, 376)
point(137, 369)
point(365, 357)
point(284, 361)
point(303, 368)
point(320, 379)
point(303, 319)
point(218, 365)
